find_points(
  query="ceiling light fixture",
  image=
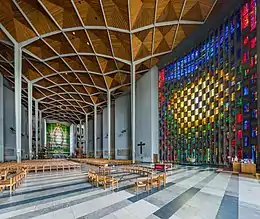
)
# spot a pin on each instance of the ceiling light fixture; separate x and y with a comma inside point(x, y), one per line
point(88, 43)
point(73, 33)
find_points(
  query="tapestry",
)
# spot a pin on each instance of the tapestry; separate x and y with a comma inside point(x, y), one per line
point(58, 140)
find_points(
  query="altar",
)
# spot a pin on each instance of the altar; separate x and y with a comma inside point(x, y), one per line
point(163, 166)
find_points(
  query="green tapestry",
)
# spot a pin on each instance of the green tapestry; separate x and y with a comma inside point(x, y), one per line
point(58, 139)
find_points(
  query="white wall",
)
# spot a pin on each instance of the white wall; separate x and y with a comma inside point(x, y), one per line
point(9, 121)
point(122, 122)
point(147, 116)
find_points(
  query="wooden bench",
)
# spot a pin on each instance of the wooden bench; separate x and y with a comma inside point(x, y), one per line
point(13, 182)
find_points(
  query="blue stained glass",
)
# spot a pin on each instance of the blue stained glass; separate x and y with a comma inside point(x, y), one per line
point(246, 91)
point(246, 107)
point(246, 125)
point(246, 141)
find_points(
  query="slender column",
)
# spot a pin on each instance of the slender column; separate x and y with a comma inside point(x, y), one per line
point(133, 109)
point(36, 128)
point(18, 97)
point(80, 132)
point(86, 135)
point(44, 133)
point(30, 118)
point(1, 118)
point(40, 128)
point(95, 131)
point(108, 123)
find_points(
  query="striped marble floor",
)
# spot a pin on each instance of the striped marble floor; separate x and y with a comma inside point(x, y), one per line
point(190, 193)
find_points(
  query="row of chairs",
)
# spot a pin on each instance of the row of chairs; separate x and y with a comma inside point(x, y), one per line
point(102, 162)
point(150, 181)
point(142, 170)
point(12, 180)
point(97, 180)
point(40, 165)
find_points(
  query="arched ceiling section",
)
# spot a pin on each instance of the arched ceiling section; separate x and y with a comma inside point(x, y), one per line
point(74, 51)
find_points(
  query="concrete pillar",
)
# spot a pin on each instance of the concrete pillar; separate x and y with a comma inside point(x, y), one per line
point(80, 133)
point(30, 118)
point(44, 133)
point(133, 110)
point(40, 129)
point(36, 128)
point(2, 149)
point(95, 131)
point(86, 134)
point(108, 124)
point(18, 99)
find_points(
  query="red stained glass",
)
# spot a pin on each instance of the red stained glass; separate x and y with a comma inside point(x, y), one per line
point(245, 57)
point(233, 142)
point(252, 62)
point(253, 43)
point(239, 134)
point(244, 10)
point(239, 154)
point(239, 118)
point(245, 41)
point(245, 16)
point(252, 15)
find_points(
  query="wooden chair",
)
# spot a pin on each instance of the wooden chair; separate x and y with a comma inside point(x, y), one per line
point(142, 183)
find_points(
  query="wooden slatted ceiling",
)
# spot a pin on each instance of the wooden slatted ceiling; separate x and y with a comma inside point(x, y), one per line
point(74, 50)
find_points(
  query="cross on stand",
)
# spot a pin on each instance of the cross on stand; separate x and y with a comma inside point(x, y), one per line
point(141, 144)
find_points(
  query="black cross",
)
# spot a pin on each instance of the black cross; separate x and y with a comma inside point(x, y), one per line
point(141, 144)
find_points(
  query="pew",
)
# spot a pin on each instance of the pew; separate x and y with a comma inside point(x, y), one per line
point(13, 181)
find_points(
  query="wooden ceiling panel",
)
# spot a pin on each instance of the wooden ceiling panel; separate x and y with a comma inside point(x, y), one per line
point(168, 10)
point(85, 78)
point(142, 43)
point(75, 63)
point(121, 45)
point(183, 32)
point(99, 80)
point(37, 16)
point(123, 66)
point(70, 77)
point(3, 36)
point(197, 10)
point(41, 67)
point(163, 38)
point(45, 83)
point(80, 41)
point(87, 99)
point(58, 65)
point(40, 49)
point(91, 12)
point(29, 72)
point(116, 12)
point(12, 19)
point(107, 65)
point(63, 12)
point(91, 63)
point(142, 13)
point(100, 41)
point(59, 44)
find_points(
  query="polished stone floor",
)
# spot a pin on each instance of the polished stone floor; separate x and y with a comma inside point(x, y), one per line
point(190, 193)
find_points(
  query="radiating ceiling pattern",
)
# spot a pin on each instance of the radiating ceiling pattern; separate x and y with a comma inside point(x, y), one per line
point(74, 51)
